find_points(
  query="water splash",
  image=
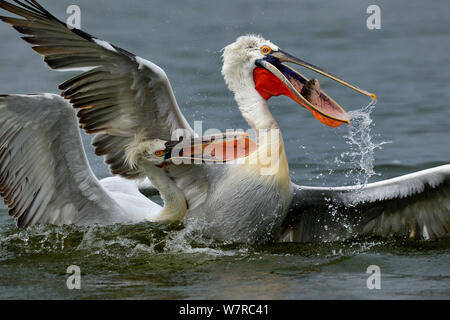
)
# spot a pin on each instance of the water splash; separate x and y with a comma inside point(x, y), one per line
point(191, 240)
point(362, 149)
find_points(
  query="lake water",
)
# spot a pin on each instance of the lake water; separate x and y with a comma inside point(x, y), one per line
point(406, 63)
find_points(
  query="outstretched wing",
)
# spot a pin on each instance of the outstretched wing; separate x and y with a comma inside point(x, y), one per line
point(44, 173)
point(121, 96)
point(414, 205)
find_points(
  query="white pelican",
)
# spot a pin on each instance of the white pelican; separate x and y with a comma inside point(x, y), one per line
point(128, 103)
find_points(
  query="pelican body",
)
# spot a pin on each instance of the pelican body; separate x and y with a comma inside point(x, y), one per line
point(127, 103)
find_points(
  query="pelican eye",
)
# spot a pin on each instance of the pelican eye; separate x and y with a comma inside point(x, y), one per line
point(266, 49)
point(159, 153)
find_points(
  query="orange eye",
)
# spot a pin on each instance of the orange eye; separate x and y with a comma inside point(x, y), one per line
point(159, 153)
point(266, 49)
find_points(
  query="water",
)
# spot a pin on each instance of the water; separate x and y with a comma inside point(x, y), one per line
point(361, 147)
point(154, 262)
point(406, 64)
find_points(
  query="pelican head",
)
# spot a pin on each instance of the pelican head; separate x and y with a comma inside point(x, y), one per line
point(254, 63)
point(146, 151)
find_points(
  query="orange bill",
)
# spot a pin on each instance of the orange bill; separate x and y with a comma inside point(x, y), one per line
point(217, 148)
point(273, 78)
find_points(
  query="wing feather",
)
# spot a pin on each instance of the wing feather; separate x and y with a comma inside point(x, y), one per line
point(119, 97)
point(416, 205)
point(44, 174)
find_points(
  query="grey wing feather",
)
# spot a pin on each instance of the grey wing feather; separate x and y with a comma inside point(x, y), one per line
point(121, 96)
point(44, 173)
point(416, 205)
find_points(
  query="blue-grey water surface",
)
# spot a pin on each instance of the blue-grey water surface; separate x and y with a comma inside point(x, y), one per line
point(406, 63)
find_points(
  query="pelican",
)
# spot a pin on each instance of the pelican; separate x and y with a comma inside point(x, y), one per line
point(128, 104)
